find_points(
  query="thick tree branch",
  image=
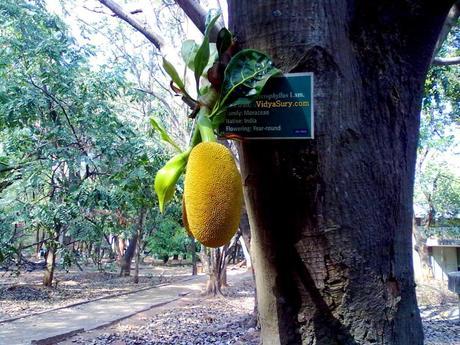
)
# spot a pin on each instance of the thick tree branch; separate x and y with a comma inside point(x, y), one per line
point(450, 21)
point(448, 61)
point(198, 14)
point(152, 36)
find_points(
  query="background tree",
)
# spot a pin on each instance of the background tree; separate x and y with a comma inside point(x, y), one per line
point(72, 167)
point(437, 143)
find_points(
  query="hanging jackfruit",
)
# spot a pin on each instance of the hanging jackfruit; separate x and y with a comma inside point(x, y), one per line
point(213, 194)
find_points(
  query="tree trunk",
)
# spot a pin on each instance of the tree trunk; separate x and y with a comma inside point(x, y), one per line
point(39, 245)
point(247, 257)
point(140, 228)
point(192, 248)
point(422, 250)
point(50, 264)
point(331, 217)
point(138, 259)
point(214, 284)
point(89, 247)
point(125, 261)
point(223, 266)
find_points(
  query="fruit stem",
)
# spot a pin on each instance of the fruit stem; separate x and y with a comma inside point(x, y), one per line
point(204, 125)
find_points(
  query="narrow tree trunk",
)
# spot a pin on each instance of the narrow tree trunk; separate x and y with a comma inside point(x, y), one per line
point(331, 217)
point(38, 246)
point(89, 247)
point(247, 257)
point(125, 262)
point(192, 249)
point(140, 229)
point(116, 247)
point(51, 257)
point(121, 248)
point(19, 252)
point(50, 265)
point(138, 259)
point(214, 284)
point(223, 266)
point(422, 250)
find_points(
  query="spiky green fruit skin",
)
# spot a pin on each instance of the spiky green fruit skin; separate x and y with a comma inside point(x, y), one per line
point(213, 194)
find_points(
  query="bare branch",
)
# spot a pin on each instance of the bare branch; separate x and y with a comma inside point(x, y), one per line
point(439, 61)
point(58, 102)
point(152, 36)
point(132, 12)
point(159, 98)
point(197, 14)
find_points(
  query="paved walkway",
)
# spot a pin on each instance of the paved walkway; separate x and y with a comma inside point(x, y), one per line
point(40, 329)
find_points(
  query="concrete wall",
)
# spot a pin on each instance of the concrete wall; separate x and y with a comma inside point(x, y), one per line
point(443, 260)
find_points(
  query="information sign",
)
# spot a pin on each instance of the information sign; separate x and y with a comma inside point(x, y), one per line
point(284, 110)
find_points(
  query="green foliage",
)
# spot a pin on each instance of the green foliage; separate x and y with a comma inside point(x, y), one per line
point(164, 135)
point(437, 184)
point(69, 161)
point(200, 62)
point(224, 41)
point(444, 232)
point(438, 191)
point(171, 70)
point(167, 177)
point(245, 76)
point(169, 239)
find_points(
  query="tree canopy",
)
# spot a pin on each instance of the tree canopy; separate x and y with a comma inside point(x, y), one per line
point(72, 160)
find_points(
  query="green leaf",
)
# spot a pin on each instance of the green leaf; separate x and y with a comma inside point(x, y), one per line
point(218, 118)
point(167, 177)
point(164, 135)
point(210, 22)
point(188, 53)
point(205, 126)
point(171, 70)
point(201, 60)
point(224, 41)
point(245, 76)
point(202, 55)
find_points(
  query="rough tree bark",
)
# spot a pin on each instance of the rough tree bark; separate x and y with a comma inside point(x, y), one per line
point(214, 262)
point(211, 260)
point(331, 217)
point(125, 261)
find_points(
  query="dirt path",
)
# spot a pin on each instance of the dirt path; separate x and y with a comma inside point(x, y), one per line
point(24, 294)
point(191, 320)
point(37, 328)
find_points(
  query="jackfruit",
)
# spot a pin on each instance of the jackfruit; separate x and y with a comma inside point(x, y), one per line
point(213, 194)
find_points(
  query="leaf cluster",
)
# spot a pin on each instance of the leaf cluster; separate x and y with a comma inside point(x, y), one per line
point(224, 78)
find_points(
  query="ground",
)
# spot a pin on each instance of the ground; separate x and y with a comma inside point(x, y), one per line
point(439, 309)
point(191, 319)
point(24, 293)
